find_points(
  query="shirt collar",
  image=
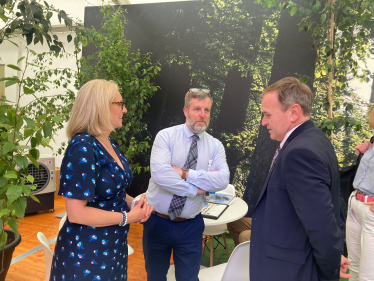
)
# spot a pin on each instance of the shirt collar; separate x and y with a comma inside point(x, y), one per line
point(287, 135)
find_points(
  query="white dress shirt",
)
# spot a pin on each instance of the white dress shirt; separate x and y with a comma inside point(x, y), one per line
point(171, 148)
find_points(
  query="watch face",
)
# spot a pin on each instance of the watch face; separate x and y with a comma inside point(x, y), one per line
point(185, 169)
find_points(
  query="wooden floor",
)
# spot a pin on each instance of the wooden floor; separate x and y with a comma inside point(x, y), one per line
point(33, 267)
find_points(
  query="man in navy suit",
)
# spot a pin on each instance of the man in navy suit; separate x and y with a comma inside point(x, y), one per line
point(297, 230)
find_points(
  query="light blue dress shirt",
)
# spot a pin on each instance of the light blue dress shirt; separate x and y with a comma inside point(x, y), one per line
point(364, 179)
point(171, 148)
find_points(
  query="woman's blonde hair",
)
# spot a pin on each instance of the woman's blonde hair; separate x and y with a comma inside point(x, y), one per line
point(91, 109)
point(371, 117)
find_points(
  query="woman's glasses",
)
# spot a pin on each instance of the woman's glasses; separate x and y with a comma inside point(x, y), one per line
point(119, 103)
point(195, 90)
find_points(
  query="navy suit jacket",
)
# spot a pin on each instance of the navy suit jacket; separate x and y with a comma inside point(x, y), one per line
point(296, 224)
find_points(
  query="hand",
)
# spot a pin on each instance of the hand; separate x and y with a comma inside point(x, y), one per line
point(200, 191)
point(363, 147)
point(139, 212)
point(178, 170)
point(343, 267)
point(371, 207)
point(149, 210)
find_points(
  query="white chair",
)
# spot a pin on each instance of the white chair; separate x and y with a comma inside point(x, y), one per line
point(237, 268)
point(62, 221)
point(47, 254)
point(130, 250)
point(211, 231)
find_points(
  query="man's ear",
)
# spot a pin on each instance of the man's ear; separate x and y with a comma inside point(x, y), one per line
point(185, 111)
point(295, 111)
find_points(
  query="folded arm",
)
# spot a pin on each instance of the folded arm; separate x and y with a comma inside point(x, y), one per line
point(170, 178)
point(216, 179)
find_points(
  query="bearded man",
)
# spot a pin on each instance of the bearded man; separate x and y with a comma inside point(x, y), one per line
point(179, 179)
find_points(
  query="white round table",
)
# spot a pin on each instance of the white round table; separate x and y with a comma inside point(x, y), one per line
point(235, 211)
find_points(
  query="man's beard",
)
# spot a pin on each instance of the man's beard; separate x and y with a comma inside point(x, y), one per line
point(195, 128)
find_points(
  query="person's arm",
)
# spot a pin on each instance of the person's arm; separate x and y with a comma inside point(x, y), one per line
point(214, 180)
point(78, 212)
point(162, 172)
point(308, 179)
point(363, 147)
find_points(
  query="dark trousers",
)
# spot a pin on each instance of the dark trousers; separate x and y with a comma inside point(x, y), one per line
point(161, 236)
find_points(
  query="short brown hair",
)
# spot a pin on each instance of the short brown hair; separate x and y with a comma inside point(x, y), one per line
point(290, 91)
point(371, 117)
point(91, 109)
point(198, 94)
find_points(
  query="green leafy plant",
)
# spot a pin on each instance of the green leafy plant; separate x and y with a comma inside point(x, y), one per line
point(133, 73)
point(26, 126)
point(341, 38)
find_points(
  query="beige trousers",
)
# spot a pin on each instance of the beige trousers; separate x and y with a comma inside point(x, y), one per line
point(240, 230)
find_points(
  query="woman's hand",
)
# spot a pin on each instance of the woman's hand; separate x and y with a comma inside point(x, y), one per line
point(363, 147)
point(140, 212)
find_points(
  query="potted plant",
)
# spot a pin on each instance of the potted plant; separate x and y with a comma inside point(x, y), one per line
point(25, 127)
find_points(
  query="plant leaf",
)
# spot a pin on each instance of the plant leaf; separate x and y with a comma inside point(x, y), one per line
point(30, 178)
point(10, 83)
point(13, 193)
point(47, 129)
point(34, 198)
point(4, 212)
point(20, 207)
point(3, 181)
point(32, 159)
point(28, 91)
point(12, 66)
point(3, 239)
point(22, 162)
point(11, 175)
point(8, 147)
point(293, 11)
point(323, 18)
point(13, 225)
point(29, 122)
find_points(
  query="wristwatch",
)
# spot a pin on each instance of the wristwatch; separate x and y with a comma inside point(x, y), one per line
point(184, 173)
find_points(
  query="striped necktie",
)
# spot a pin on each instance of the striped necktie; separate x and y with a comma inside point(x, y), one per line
point(275, 157)
point(178, 202)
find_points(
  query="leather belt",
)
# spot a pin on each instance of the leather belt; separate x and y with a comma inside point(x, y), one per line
point(362, 197)
point(167, 217)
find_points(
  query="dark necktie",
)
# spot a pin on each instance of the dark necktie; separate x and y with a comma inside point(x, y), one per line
point(275, 157)
point(178, 202)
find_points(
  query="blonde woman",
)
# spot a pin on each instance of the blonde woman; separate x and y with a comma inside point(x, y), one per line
point(360, 219)
point(92, 244)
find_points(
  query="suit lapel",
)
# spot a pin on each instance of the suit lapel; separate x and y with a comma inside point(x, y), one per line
point(303, 127)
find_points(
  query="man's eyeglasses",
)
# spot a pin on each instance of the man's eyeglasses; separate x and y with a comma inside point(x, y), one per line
point(119, 103)
point(195, 90)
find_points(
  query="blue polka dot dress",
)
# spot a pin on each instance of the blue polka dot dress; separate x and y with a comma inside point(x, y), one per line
point(89, 172)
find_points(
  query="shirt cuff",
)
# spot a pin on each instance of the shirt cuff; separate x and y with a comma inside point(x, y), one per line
point(192, 176)
point(191, 179)
point(192, 190)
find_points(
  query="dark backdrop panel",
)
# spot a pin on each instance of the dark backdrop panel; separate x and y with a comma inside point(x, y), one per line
point(205, 44)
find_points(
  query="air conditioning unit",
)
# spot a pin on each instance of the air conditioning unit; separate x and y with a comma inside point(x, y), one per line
point(44, 179)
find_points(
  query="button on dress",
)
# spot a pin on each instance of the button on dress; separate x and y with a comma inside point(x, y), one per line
point(89, 172)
